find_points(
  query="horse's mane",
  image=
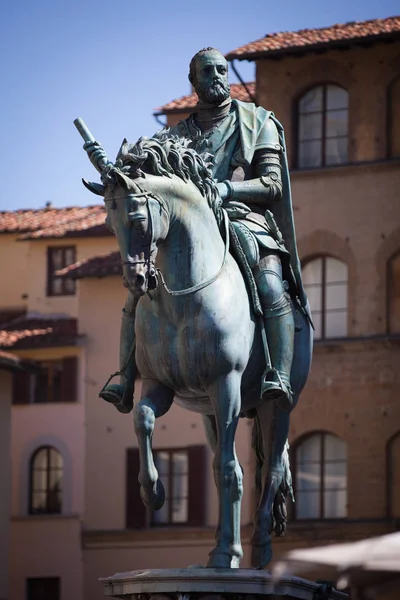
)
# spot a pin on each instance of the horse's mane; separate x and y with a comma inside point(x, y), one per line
point(167, 155)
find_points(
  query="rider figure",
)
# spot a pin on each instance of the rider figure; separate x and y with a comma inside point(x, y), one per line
point(251, 170)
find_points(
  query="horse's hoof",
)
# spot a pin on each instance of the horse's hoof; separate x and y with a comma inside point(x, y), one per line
point(261, 556)
point(156, 499)
point(235, 562)
point(223, 560)
point(219, 560)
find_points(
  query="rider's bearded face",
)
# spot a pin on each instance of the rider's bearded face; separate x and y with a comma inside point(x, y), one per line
point(211, 82)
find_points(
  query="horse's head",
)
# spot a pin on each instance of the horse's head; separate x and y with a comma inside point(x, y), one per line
point(139, 220)
point(136, 213)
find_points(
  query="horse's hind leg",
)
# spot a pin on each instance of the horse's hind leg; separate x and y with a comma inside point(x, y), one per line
point(271, 437)
point(210, 427)
point(155, 402)
point(225, 396)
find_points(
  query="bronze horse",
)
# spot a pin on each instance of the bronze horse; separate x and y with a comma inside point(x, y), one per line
point(197, 340)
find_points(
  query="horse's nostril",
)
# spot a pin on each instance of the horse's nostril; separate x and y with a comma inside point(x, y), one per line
point(139, 280)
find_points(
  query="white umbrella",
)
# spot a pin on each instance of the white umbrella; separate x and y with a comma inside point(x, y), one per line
point(366, 563)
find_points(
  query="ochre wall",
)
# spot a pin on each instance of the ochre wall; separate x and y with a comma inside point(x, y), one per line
point(13, 271)
point(5, 478)
point(38, 301)
point(47, 547)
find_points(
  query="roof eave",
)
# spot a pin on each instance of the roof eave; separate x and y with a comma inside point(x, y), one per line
point(309, 48)
point(79, 275)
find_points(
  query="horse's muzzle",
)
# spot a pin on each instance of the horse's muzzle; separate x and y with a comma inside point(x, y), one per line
point(135, 279)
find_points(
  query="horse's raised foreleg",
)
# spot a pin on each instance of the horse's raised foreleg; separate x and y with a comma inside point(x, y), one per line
point(225, 396)
point(271, 437)
point(155, 401)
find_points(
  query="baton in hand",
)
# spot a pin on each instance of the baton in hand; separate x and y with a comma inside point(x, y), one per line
point(89, 139)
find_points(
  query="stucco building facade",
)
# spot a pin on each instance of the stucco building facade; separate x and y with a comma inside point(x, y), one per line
point(75, 512)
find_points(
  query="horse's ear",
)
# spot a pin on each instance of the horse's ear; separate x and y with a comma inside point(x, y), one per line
point(122, 179)
point(96, 188)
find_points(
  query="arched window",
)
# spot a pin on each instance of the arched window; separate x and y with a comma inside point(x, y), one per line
point(325, 282)
point(394, 118)
point(320, 477)
point(393, 287)
point(46, 475)
point(322, 116)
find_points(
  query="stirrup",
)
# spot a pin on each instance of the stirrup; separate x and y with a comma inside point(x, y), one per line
point(117, 394)
point(273, 388)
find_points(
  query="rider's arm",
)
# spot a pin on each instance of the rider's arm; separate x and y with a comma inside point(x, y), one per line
point(265, 185)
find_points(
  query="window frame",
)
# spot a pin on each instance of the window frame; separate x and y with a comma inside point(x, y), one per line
point(323, 311)
point(138, 516)
point(47, 511)
point(50, 273)
point(322, 490)
point(323, 138)
point(24, 383)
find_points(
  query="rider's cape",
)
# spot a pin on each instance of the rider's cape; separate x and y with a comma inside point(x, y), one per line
point(251, 121)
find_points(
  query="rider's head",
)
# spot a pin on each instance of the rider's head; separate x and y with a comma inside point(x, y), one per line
point(208, 73)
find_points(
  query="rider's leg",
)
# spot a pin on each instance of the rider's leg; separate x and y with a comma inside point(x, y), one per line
point(121, 394)
point(279, 325)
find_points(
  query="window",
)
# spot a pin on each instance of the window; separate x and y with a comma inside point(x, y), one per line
point(322, 115)
point(43, 588)
point(325, 282)
point(394, 294)
point(182, 472)
point(46, 474)
point(321, 477)
point(173, 470)
point(51, 381)
point(58, 258)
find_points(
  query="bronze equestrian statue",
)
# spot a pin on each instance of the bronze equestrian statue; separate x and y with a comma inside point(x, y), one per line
point(217, 181)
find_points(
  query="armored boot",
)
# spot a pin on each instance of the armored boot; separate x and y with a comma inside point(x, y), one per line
point(121, 394)
point(279, 327)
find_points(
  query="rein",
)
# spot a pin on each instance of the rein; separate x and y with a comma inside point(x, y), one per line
point(205, 282)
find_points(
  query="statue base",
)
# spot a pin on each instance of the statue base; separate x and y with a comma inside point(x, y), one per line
point(212, 584)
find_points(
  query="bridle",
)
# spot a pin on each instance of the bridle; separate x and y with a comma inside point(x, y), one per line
point(154, 272)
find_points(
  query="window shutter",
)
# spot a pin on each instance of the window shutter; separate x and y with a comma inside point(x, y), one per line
point(21, 387)
point(197, 485)
point(69, 379)
point(135, 509)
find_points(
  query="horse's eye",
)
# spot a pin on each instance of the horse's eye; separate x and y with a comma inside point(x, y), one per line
point(136, 218)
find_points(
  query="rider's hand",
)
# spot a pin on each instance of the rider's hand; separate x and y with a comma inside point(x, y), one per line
point(96, 155)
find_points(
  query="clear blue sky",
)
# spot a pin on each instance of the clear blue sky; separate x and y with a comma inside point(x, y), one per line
point(112, 63)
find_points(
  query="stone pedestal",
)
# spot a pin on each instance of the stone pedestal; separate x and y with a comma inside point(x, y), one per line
point(211, 584)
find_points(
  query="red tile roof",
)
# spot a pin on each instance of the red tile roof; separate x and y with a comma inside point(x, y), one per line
point(28, 332)
point(187, 103)
point(54, 222)
point(91, 223)
point(307, 39)
point(97, 266)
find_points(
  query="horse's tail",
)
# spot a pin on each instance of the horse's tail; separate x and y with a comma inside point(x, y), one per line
point(285, 489)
